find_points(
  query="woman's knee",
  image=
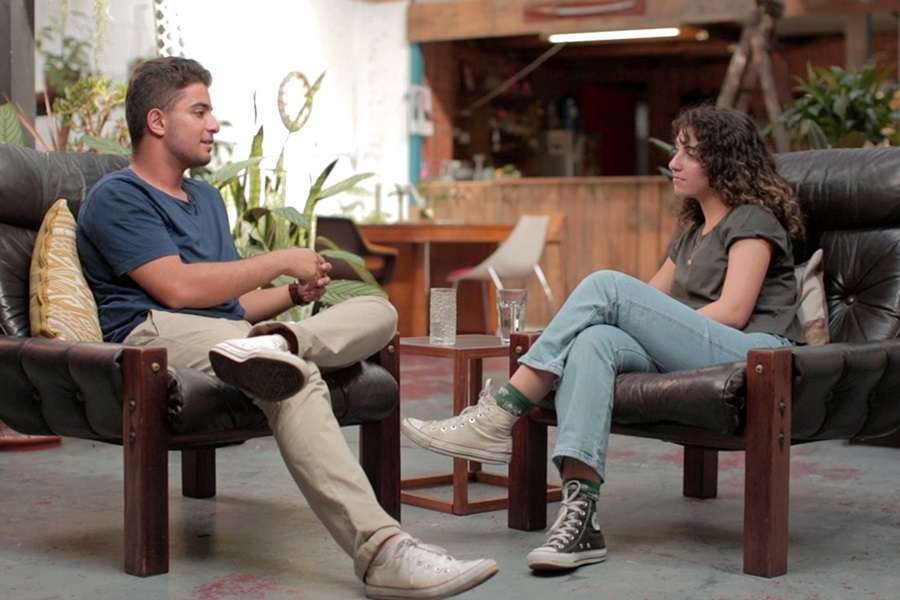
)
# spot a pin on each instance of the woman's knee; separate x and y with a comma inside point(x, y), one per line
point(595, 341)
point(604, 278)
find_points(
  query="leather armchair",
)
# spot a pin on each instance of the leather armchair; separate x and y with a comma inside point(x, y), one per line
point(125, 395)
point(847, 389)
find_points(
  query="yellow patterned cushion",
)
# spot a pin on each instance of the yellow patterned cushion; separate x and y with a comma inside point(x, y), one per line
point(61, 303)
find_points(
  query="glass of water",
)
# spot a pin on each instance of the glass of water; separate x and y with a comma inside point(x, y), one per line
point(442, 317)
point(511, 312)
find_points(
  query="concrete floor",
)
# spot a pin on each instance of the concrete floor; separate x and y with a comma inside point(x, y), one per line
point(61, 527)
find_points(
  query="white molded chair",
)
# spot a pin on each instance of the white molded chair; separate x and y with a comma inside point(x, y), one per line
point(516, 257)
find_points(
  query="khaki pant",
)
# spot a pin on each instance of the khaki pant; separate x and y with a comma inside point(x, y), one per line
point(308, 435)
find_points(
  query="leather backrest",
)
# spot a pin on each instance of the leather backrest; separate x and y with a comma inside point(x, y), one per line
point(851, 201)
point(30, 182)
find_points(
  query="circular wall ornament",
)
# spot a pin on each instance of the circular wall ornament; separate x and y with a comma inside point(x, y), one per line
point(295, 91)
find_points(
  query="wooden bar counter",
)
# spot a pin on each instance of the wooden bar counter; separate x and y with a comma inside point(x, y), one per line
point(621, 223)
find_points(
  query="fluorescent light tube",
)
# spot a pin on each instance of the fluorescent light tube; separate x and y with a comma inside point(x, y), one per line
point(609, 36)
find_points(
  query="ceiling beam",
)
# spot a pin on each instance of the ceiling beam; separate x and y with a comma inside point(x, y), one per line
point(808, 8)
point(470, 19)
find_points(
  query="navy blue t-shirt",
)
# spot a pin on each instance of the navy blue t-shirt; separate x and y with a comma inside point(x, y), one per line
point(126, 222)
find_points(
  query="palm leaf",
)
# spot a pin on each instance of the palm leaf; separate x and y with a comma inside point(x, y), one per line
point(340, 290)
point(343, 186)
point(354, 262)
point(316, 188)
point(293, 215)
point(232, 170)
point(253, 187)
point(816, 136)
point(344, 255)
point(104, 145)
point(10, 128)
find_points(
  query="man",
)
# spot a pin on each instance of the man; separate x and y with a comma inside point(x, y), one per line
point(156, 250)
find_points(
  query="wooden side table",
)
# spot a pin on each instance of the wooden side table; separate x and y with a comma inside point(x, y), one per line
point(467, 355)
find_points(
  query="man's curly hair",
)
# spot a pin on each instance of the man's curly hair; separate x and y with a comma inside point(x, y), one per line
point(738, 165)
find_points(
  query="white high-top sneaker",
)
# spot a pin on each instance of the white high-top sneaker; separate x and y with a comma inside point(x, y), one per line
point(262, 367)
point(407, 568)
point(481, 432)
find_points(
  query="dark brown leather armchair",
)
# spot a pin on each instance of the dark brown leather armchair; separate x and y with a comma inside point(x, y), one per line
point(128, 396)
point(848, 389)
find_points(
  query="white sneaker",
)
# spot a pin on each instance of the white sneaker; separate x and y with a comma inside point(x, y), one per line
point(407, 568)
point(482, 432)
point(262, 367)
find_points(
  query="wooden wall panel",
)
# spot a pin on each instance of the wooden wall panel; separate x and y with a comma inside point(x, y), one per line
point(620, 223)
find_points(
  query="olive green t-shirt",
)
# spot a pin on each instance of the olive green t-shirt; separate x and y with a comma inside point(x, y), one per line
point(702, 260)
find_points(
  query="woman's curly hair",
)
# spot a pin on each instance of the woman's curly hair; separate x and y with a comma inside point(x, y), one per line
point(738, 165)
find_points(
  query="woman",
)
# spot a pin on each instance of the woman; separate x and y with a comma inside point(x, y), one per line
point(727, 286)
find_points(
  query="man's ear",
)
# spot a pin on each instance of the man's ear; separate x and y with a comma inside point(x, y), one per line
point(156, 121)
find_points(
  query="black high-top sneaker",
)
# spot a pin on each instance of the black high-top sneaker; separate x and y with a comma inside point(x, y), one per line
point(575, 538)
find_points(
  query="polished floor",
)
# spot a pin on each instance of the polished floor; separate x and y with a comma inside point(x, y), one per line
point(61, 526)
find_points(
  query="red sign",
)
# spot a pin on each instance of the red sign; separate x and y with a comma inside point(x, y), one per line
point(574, 9)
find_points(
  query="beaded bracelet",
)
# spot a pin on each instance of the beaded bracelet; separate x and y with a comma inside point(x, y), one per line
point(294, 291)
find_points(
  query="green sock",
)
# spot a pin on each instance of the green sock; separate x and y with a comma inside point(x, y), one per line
point(591, 488)
point(512, 400)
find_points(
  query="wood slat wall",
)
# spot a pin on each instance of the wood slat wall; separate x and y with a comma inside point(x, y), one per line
point(621, 223)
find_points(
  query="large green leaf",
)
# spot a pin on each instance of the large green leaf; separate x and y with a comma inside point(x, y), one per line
point(253, 187)
point(344, 185)
point(232, 170)
point(354, 262)
point(817, 139)
point(316, 188)
point(344, 255)
point(10, 128)
point(340, 290)
point(321, 240)
point(293, 215)
point(104, 145)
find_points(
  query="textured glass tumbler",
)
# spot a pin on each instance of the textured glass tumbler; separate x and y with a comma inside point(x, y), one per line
point(442, 313)
point(511, 312)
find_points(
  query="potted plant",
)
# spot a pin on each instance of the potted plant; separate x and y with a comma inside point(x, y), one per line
point(844, 108)
point(264, 222)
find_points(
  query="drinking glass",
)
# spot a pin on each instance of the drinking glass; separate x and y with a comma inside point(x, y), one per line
point(511, 312)
point(442, 317)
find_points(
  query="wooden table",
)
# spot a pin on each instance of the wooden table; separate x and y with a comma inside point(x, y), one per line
point(467, 355)
point(428, 252)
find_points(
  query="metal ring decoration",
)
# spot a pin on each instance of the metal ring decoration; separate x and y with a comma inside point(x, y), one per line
point(294, 123)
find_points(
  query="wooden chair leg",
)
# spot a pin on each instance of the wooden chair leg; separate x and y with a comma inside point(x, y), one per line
point(528, 476)
point(379, 448)
point(701, 472)
point(768, 444)
point(144, 441)
point(198, 473)
point(379, 443)
point(528, 468)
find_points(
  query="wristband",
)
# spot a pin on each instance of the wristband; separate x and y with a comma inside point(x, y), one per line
point(294, 291)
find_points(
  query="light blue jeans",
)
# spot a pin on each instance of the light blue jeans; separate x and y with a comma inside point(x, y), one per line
point(613, 323)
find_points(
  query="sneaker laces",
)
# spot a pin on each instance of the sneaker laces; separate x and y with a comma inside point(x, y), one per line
point(470, 414)
point(572, 513)
point(425, 556)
